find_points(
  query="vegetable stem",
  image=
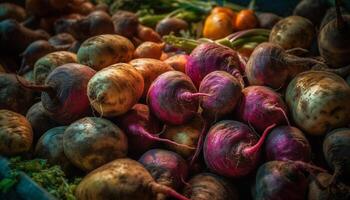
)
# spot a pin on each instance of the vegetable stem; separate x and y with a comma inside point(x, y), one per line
point(340, 20)
point(250, 151)
point(41, 88)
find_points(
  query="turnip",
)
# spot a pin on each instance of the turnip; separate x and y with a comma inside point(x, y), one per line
point(260, 107)
point(268, 20)
point(104, 50)
point(171, 25)
point(125, 23)
point(15, 132)
point(173, 98)
point(318, 101)
point(208, 186)
point(312, 10)
point(209, 57)
point(277, 180)
point(122, 179)
point(12, 11)
point(92, 142)
point(225, 92)
point(40, 120)
point(148, 34)
point(293, 32)
point(64, 92)
point(149, 50)
point(334, 40)
point(150, 70)
point(232, 149)
point(44, 66)
point(166, 167)
point(177, 62)
point(115, 89)
point(332, 14)
point(287, 143)
point(62, 39)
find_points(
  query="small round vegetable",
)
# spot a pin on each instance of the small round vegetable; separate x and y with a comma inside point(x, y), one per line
point(336, 150)
point(177, 62)
point(92, 142)
point(317, 101)
point(104, 50)
point(13, 96)
point(260, 107)
point(64, 92)
point(293, 32)
point(169, 25)
point(209, 57)
point(115, 89)
point(332, 14)
point(125, 23)
point(166, 167)
point(268, 20)
point(225, 92)
point(148, 34)
point(314, 10)
point(173, 98)
point(122, 179)
point(150, 70)
point(149, 50)
point(287, 143)
point(62, 39)
point(44, 66)
point(232, 149)
point(208, 186)
point(334, 40)
point(246, 19)
point(40, 120)
point(217, 26)
point(12, 11)
point(15, 132)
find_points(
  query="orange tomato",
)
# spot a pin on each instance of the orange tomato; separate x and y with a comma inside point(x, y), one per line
point(217, 25)
point(246, 19)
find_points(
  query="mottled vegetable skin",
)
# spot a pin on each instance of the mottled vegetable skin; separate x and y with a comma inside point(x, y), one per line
point(278, 180)
point(177, 62)
point(15, 132)
point(166, 167)
point(225, 92)
point(150, 70)
point(104, 50)
point(318, 101)
point(149, 50)
point(125, 23)
point(208, 186)
point(209, 57)
point(13, 96)
point(50, 147)
point(61, 39)
point(12, 11)
point(137, 120)
point(223, 149)
point(115, 89)
point(40, 120)
point(287, 143)
point(336, 150)
point(260, 107)
point(187, 134)
point(44, 66)
point(92, 142)
point(164, 98)
point(169, 25)
point(293, 32)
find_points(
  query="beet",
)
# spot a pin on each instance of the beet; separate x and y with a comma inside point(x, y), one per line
point(64, 92)
point(125, 23)
point(173, 98)
point(313, 10)
point(209, 57)
point(232, 149)
point(12, 11)
point(171, 25)
point(260, 107)
point(287, 143)
point(268, 20)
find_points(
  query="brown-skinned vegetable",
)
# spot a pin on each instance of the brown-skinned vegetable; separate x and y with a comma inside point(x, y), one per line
point(149, 50)
point(168, 25)
point(313, 10)
point(125, 23)
point(12, 11)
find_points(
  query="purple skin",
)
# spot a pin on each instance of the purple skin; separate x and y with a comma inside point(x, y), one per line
point(209, 57)
point(260, 107)
point(287, 143)
point(173, 98)
point(232, 149)
point(167, 167)
point(225, 93)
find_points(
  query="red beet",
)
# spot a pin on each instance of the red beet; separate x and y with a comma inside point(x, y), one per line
point(287, 143)
point(232, 149)
point(260, 107)
point(64, 92)
point(209, 57)
point(173, 98)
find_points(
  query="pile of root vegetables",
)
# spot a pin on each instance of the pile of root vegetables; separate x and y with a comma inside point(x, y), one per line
point(250, 105)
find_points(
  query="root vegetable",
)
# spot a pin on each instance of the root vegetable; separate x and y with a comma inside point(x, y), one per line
point(332, 14)
point(104, 50)
point(317, 101)
point(245, 19)
point(268, 20)
point(170, 25)
point(62, 39)
point(148, 34)
point(92, 142)
point(177, 62)
point(314, 10)
point(125, 23)
point(115, 89)
point(149, 50)
point(122, 179)
point(217, 26)
point(15, 132)
point(12, 11)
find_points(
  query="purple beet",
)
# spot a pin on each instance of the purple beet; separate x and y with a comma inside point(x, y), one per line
point(287, 143)
point(232, 149)
point(260, 107)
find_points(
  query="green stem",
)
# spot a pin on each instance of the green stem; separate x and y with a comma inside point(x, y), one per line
point(183, 43)
point(242, 41)
point(151, 20)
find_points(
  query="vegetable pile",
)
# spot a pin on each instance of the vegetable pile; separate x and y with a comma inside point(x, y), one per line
point(175, 99)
